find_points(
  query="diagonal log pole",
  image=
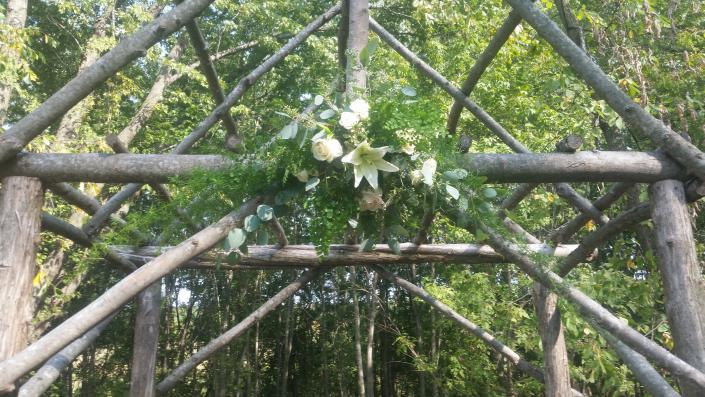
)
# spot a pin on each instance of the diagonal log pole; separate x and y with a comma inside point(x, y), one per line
point(49, 372)
point(588, 307)
point(223, 340)
point(582, 204)
point(481, 64)
point(675, 145)
point(114, 203)
point(30, 126)
point(16, 366)
point(489, 340)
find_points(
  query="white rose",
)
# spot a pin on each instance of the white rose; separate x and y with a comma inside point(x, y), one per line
point(416, 177)
point(348, 120)
point(360, 108)
point(302, 176)
point(326, 149)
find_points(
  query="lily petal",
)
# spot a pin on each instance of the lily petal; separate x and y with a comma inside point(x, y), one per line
point(370, 172)
point(384, 165)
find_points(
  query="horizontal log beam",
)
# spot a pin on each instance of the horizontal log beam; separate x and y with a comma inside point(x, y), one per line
point(346, 255)
point(110, 168)
point(592, 166)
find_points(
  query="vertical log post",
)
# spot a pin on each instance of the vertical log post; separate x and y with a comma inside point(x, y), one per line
point(144, 355)
point(680, 274)
point(21, 201)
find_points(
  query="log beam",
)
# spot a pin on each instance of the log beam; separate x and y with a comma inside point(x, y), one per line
point(349, 255)
point(110, 168)
point(592, 166)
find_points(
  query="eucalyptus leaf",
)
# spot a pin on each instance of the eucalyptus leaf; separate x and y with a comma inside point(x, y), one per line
point(289, 131)
point(318, 100)
point(452, 192)
point(394, 246)
point(235, 239)
point(397, 230)
point(463, 204)
point(367, 245)
point(408, 91)
point(265, 212)
point(251, 223)
point(489, 193)
point(326, 114)
point(352, 223)
point(455, 175)
point(312, 183)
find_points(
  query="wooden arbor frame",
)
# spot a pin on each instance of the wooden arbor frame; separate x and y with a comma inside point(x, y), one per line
point(678, 160)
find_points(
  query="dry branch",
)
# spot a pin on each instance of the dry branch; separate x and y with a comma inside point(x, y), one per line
point(675, 145)
point(221, 341)
point(110, 168)
point(347, 255)
point(593, 166)
point(18, 365)
point(483, 61)
point(26, 129)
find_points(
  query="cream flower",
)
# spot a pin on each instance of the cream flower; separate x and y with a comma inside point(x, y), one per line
point(371, 200)
point(416, 177)
point(348, 120)
point(408, 148)
point(428, 169)
point(302, 176)
point(366, 161)
point(326, 149)
point(360, 108)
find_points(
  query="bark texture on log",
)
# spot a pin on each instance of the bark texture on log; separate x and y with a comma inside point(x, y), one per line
point(555, 353)
point(16, 366)
point(133, 47)
point(110, 168)
point(21, 202)
point(593, 166)
point(680, 274)
point(223, 340)
point(344, 255)
point(146, 340)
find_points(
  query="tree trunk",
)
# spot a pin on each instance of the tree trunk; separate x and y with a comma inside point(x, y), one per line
point(357, 337)
point(21, 202)
point(371, 315)
point(15, 18)
point(555, 354)
point(418, 329)
point(146, 341)
point(358, 34)
point(681, 276)
point(286, 346)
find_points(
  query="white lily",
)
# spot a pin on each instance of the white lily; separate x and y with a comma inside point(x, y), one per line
point(366, 161)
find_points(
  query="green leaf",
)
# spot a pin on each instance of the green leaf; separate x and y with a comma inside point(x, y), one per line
point(463, 204)
point(452, 192)
point(235, 239)
point(489, 193)
point(312, 183)
point(251, 223)
point(289, 131)
point(265, 212)
point(394, 246)
point(262, 237)
point(326, 114)
point(367, 245)
point(455, 175)
point(352, 223)
point(408, 91)
point(233, 258)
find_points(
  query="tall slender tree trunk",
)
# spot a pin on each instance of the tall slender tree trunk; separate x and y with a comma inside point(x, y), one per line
point(418, 329)
point(286, 354)
point(146, 342)
point(371, 315)
point(681, 276)
point(358, 34)
point(555, 354)
point(21, 201)
point(357, 337)
point(15, 17)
